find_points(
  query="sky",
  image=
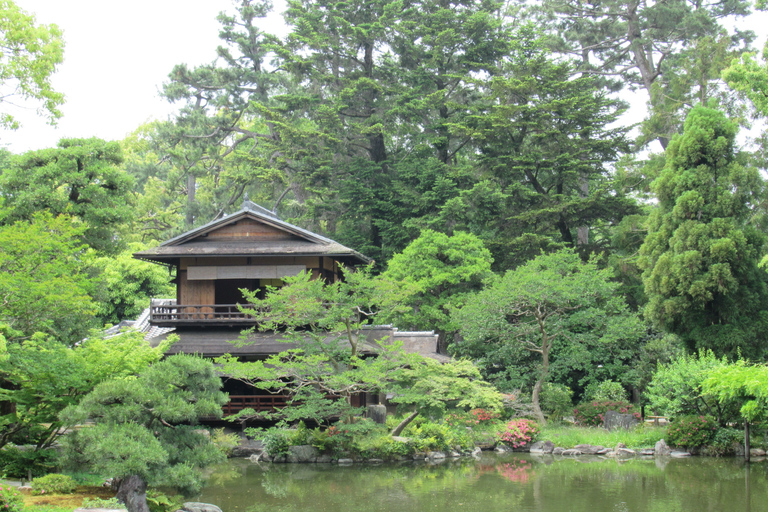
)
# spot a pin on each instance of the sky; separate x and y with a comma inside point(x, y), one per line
point(118, 54)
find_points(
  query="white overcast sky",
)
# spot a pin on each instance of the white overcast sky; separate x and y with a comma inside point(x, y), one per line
point(118, 54)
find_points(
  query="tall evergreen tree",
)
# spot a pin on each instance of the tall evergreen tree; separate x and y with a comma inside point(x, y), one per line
point(701, 252)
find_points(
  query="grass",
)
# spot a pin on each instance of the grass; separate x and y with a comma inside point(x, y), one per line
point(569, 436)
point(65, 502)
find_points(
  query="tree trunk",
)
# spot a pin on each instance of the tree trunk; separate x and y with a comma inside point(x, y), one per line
point(535, 399)
point(747, 446)
point(399, 429)
point(133, 492)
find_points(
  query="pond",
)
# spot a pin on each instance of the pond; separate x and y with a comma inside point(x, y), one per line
point(506, 482)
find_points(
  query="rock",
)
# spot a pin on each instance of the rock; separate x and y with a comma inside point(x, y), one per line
point(194, 506)
point(303, 453)
point(620, 445)
point(679, 455)
point(661, 449)
point(571, 451)
point(558, 450)
point(542, 447)
point(502, 448)
point(454, 454)
point(587, 449)
point(603, 451)
point(757, 452)
point(614, 420)
point(378, 413)
point(247, 448)
point(25, 488)
point(477, 452)
point(345, 462)
point(647, 451)
point(375, 461)
point(435, 455)
point(625, 453)
point(324, 459)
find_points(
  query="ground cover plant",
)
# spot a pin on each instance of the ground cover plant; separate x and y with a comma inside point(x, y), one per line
point(569, 436)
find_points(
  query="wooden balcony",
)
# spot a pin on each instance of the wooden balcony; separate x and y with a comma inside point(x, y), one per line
point(173, 315)
point(259, 403)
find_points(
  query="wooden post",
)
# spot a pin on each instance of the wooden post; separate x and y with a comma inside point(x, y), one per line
point(746, 440)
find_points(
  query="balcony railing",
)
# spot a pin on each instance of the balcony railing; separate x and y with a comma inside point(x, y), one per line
point(170, 315)
point(259, 403)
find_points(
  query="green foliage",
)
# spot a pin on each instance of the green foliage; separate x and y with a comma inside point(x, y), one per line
point(144, 426)
point(751, 78)
point(439, 272)
point(691, 431)
point(225, 442)
point(158, 501)
point(676, 389)
point(81, 178)
point(126, 284)
point(519, 433)
point(724, 440)
point(53, 483)
point(274, 439)
point(556, 401)
point(701, 252)
point(570, 436)
point(741, 384)
point(29, 56)
point(552, 317)
point(606, 391)
point(110, 503)
point(18, 462)
point(10, 499)
point(43, 280)
point(592, 414)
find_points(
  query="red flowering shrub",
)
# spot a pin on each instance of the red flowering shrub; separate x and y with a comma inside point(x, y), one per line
point(592, 414)
point(519, 433)
point(10, 499)
point(691, 431)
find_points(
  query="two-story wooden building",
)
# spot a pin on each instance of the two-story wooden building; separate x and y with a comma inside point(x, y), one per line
point(250, 249)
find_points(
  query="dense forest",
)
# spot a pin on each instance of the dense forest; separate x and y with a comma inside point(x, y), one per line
point(475, 149)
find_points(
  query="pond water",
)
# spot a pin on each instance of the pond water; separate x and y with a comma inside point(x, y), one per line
point(509, 482)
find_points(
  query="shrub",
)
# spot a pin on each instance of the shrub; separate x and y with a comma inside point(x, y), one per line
point(606, 391)
point(161, 502)
point(16, 462)
point(53, 483)
point(225, 442)
point(112, 503)
point(10, 499)
point(519, 432)
point(298, 436)
point(556, 401)
point(691, 431)
point(274, 439)
point(724, 440)
point(592, 414)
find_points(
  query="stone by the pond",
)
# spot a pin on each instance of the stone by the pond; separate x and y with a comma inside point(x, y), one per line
point(454, 454)
point(194, 506)
point(679, 454)
point(614, 420)
point(303, 453)
point(588, 449)
point(324, 459)
point(558, 450)
point(345, 462)
point(477, 452)
point(661, 449)
point(542, 447)
point(647, 451)
point(502, 448)
point(248, 448)
point(625, 453)
point(756, 452)
point(375, 461)
point(435, 455)
point(571, 451)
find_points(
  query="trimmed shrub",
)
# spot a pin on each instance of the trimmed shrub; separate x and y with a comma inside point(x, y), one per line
point(112, 503)
point(556, 401)
point(519, 433)
point(10, 499)
point(53, 483)
point(606, 391)
point(724, 440)
point(691, 431)
point(592, 414)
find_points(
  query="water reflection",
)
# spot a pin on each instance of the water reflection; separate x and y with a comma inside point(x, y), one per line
point(495, 483)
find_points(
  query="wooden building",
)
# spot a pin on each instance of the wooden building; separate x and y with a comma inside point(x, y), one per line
point(248, 249)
